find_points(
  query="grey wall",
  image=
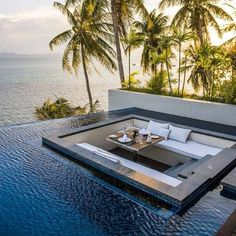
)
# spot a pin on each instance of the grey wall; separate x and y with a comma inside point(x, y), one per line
point(209, 111)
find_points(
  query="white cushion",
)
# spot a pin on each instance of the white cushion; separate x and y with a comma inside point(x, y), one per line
point(179, 134)
point(190, 148)
point(154, 127)
point(100, 152)
point(164, 133)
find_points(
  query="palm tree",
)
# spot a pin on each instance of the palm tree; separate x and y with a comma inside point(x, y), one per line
point(198, 16)
point(185, 74)
point(152, 30)
point(122, 13)
point(132, 41)
point(208, 64)
point(181, 36)
point(89, 37)
point(167, 42)
point(53, 110)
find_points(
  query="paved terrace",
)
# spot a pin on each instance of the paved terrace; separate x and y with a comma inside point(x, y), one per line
point(205, 175)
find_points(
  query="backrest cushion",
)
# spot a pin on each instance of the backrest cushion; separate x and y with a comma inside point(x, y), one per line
point(164, 133)
point(179, 134)
point(154, 127)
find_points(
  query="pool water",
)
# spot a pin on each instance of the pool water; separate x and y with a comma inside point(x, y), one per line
point(44, 193)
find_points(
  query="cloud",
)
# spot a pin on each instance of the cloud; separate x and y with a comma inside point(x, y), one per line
point(30, 32)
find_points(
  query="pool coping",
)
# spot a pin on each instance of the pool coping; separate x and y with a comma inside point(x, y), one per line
point(179, 196)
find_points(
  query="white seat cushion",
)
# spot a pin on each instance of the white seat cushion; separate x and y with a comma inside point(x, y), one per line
point(154, 127)
point(100, 152)
point(190, 148)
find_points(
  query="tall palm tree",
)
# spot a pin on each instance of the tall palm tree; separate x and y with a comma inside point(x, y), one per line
point(123, 13)
point(198, 15)
point(181, 36)
point(132, 41)
point(89, 37)
point(152, 29)
point(167, 42)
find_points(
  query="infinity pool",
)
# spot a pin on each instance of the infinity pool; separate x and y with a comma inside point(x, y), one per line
point(44, 193)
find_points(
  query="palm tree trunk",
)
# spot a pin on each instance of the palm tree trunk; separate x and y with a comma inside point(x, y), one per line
point(185, 73)
point(199, 32)
point(168, 73)
point(161, 69)
point(179, 68)
point(87, 79)
point(129, 65)
point(114, 9)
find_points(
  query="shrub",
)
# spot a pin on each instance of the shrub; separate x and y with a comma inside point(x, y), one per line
point(227, 90)
point(62, 108)
point(158, 83)
point(132, 82)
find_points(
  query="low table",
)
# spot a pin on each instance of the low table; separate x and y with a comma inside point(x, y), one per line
point(133, 146)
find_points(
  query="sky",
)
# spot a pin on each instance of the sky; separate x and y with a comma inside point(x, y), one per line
point(27, 26)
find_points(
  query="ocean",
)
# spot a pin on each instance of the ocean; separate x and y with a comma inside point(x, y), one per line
point(27, 81)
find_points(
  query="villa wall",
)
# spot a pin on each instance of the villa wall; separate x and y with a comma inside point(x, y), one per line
point(202, 110)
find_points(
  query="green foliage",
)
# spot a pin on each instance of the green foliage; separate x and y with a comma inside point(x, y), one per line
point(158, 83)
point(209, 65)
point(61, 108)
point(132, 82)
point(89, 37)
point(53, 110)
point(198, 16)
point(152, 29)
point(227, 90)
point(210, 69)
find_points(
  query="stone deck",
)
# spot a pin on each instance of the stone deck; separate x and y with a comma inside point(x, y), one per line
point(204, 175)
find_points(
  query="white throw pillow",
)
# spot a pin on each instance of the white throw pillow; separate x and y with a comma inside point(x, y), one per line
point(179, 134)
point(164, 133)
point(154, 127)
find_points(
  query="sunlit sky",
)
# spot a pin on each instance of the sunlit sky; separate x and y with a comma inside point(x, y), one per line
point(27, 26)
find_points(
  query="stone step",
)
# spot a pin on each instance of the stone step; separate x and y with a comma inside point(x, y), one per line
point(185, 173)
point(173, 171)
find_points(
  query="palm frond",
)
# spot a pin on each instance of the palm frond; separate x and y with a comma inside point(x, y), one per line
point(61, 38)
point(65, 11)
point(219, 12)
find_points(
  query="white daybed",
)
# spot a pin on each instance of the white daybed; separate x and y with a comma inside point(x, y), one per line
point(191, 148)
point(183, 141)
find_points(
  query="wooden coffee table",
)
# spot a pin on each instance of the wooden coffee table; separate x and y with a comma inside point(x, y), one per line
point(133, 146)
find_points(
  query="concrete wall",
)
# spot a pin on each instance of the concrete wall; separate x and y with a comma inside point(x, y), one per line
point(208, 111)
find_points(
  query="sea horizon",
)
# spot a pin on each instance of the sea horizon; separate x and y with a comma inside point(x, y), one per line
point(28, 80)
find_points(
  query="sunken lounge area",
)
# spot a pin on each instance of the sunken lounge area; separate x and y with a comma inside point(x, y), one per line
point(174, 159)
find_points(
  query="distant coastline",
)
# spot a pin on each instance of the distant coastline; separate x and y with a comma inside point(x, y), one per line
point(14, 55)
